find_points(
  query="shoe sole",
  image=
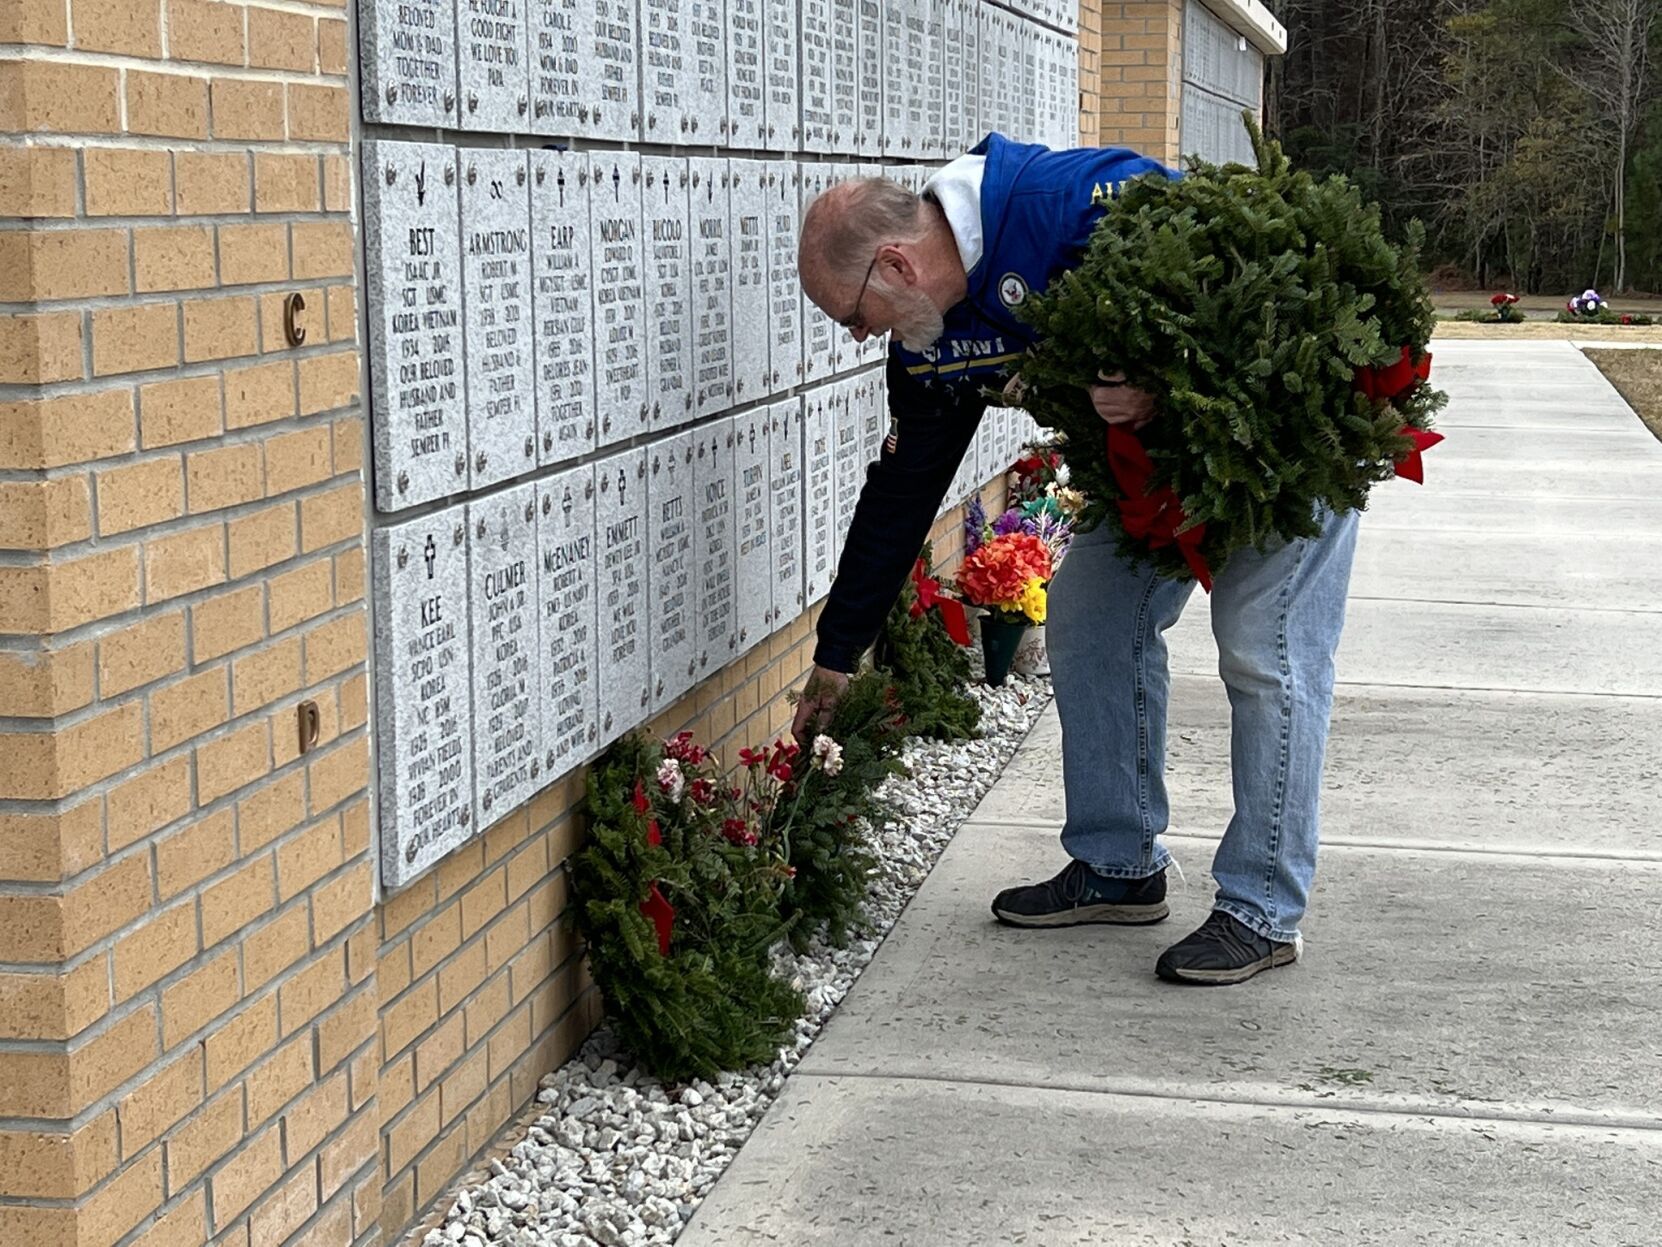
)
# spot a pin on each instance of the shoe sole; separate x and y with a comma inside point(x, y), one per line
point(1282, 956)
point(1085, 915)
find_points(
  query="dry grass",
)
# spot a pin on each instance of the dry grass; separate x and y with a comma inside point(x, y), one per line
point(1548, 331)
point(1637, 376)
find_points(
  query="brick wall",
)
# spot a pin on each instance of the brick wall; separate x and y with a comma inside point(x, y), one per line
point(187, 1014)
point(1131, 75)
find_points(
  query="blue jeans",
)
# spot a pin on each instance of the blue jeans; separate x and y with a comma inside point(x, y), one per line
point(1277, 617)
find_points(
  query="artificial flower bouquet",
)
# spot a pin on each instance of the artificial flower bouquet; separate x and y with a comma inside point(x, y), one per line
point(1008, 571)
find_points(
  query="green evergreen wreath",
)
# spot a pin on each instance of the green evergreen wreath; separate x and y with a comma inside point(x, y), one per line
point(931, 671)
point(1246, 300)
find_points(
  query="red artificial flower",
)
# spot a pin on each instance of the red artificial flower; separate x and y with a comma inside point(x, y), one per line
point(781, 771)
point(681, 748)
point(1503, 297)
point(1626, 319)
point(639, 801)
point(753, 757)
point(738, 831)
point(1000, 569)
point(703, 792)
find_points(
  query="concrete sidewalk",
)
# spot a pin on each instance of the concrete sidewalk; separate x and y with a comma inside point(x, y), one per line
point(1471, 1050)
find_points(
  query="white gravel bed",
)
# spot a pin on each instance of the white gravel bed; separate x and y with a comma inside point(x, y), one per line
point(619, 1159)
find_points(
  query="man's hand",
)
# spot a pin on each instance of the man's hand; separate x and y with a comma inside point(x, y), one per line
point(820, 695)
point(1117, 403)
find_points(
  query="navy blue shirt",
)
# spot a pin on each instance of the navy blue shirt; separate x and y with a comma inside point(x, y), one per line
point(1038, 208)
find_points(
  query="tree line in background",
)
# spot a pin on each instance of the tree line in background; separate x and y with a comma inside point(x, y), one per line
point(1526, 134)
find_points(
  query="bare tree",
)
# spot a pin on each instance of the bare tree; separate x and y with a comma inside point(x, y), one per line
point(1617, 34)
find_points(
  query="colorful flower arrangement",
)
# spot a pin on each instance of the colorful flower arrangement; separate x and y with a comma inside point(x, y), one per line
point(1032, 475)
point(1506, 308)
point(1590, 307)
point(1008, 573)
point(1587, 304)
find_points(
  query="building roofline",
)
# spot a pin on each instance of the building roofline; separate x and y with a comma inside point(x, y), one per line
point(1251, 19)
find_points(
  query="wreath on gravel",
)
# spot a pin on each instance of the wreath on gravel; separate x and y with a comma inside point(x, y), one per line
point(1282, 335)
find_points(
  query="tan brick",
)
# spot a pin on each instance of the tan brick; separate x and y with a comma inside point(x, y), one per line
point(203, 1140)
point(413, 1132)
point(261, 539)
point(284, 1211)
point(345, 1030)
point(48, 96)
point(141, 653)
point(127, 182)
point(309, 992)
point(438, 1052)
point(349, 576)
point(40, 348)
point(295, 460)
point(227, 622)
point(199, 31)
point(348, 1154)
point(313, 1117)
point(301, 594)
point(253, 253)
point(168, 105)
point(436, 939)
point(199, 997)
point(125, 1201)
point(38, 515)
point(75, 429)
point(322, 249)
point(307, 858)
point(142, 494)
point(62, 264)
point(240, 1042)
point(232, 761)
point(360, 947)
point(35, 21)
point(328, 382)
point(280, 40)
point(278, 1079)
point(319, 113)
point(191, 854)
point(104, 1063)
point(213, 182)
point(275, 947)
point(218, 328)
point(246, 110)
point(46, 846)
point(245, 1177)
point(339, 903)
point(285, 183)
point(333, 516)
point(165, 1098)
point(259, 394)
point(343, 314)
point(275, 809)
point(333, 1225)
point(35, 1164)
point(156, 949)
point(265, 675)
point(408, 1017)
point(185, 410)
point(173, 258)
point(37, 766)
point(187, 708)
point(461, 976)
point(130, 26)
point(184, 1225)
point(224, 477)
point(233, 903)
point(135, 338)
point(339, 775)
point(183, 562)
point(37, 181)
point(151, 799)
point(462, 1087)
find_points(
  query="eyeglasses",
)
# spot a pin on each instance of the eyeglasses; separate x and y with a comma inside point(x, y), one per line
point(852, 320)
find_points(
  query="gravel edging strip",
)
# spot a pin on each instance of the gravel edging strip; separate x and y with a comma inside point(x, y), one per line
point(614, 1158)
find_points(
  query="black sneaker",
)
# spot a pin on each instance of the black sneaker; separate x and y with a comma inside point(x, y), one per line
point(1220, 952)
point(1079, 895)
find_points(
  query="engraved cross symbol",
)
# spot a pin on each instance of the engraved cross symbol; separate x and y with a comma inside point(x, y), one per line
point(753, 439)
point(421, 184)
point(430, 552)
point(622, 482)
point(561, 181)
point(566, 503)
point(617, 182)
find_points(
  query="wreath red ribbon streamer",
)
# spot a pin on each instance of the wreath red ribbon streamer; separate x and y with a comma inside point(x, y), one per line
point(1390, 383)
point(930, 596)
point(1155, 517)
point(656, 906)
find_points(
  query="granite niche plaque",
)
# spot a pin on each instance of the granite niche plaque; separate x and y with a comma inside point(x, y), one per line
point(556, 55)
point(784, 322)
point(612, 85)
point(620, 528)
point(955, 139)
point(897, 76)
point(933, 145)
point(779, 53)
point(407, 59)
point(818, 343)
point(413, 272)
point(683, 71)
point(562, 302)
point(848, 457)
point(747, 234)
point(874, 421)
point(619, 310)
point(496, 273)
point(868, 137)
point(815, 88)
point(673, 522)
point(669, 317)
point(754, 505)
point(819, 549)
point(746, 110)
point(785, 482)
point(502, 596)
point(711, 286)
point(425, 764)
point(566, 590)
point(845, 75)
point(969, 36)
point(491, 74)
point(920, 119)
point(716, 573)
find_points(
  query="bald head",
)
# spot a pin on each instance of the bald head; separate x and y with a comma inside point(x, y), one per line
point(846, 225)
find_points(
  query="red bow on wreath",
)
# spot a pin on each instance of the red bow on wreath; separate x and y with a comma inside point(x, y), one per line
point(1153, 517)
point(656, 906)
point(1390, 383)
point(930, 596)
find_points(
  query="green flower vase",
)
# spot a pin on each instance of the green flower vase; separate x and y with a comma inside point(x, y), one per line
point(999, 642)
